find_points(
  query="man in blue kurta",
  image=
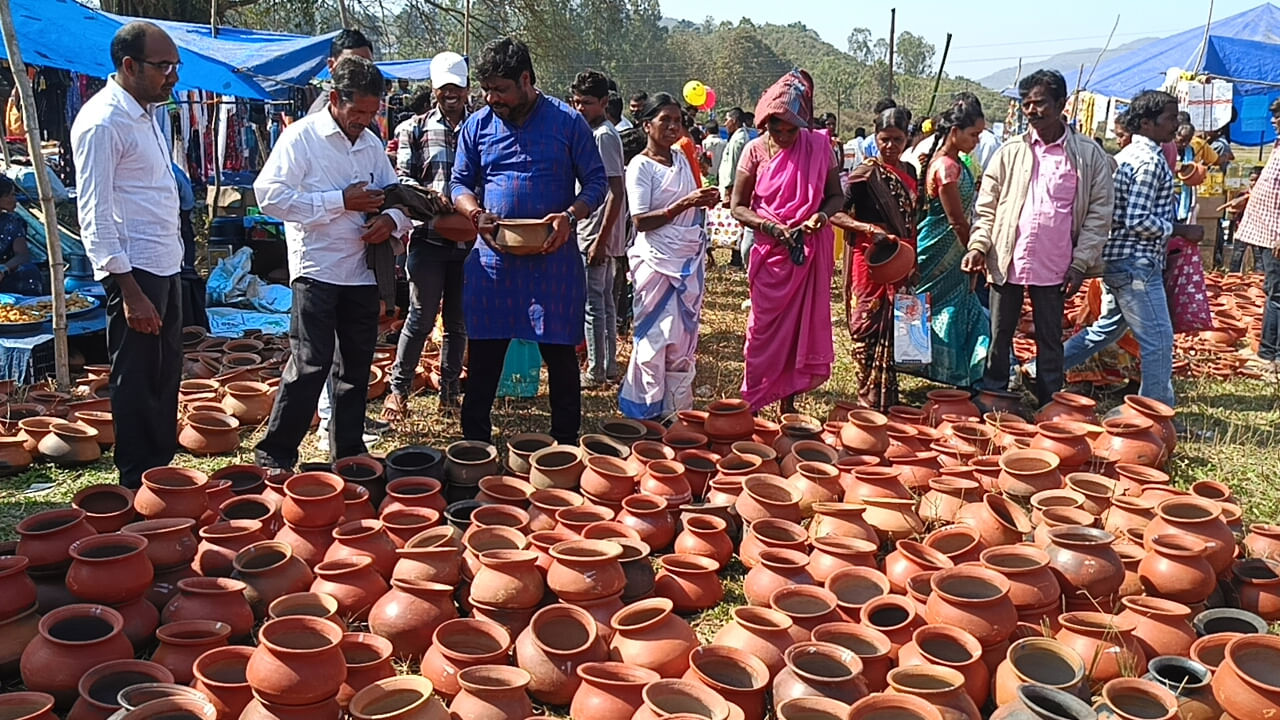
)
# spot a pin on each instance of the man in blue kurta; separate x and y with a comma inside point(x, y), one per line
point(525, 156)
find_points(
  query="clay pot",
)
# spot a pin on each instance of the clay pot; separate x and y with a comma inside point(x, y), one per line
point(462, 643)
point(1132, 439)
point(307, 604)
point(854, 587)
point(1086, 565)
point(269, 571)
point(818, 482)
point(807, 606)
point(776, 568)
point(559, 467)
point(819, 669)
point(960, 543)
point(1263, 541)
point(17, 591)
point(366, 538)
point(70, 445)
point(975, 600)
point(1257, 587)
point(948, 402)
point(733, 674)
point(508, 579)
point(1106, 642)
point(99, 688)
point(763, 633)
point(1242, 685)
point(585, 570)
point(558, 639)
point(298, 661)
point(608, 478)
point(1069, 406)
point(1134, 699)
point(1188, 680)
point(368, 660)
point(768, 496)
point(209, 433)
point(406, 697)
point(1037, 702)
point(953, 648)
point(895, 616)
point(247, 401)
point(313, 500)
point(910, 557)
point(15, 634)
point(945, 498)
point(259, 709)
point(610, 690)
point(1033, 587)
point(808, 451)
point(1066, 439)
point(1043, 662)
point(871, 646)
point(45, 538)
point(492, 692)
point(353, 581)
point(220, 542)
point(309, 544)
point(33, 430)
point(504, 490)
point(893, 518)
point(865, 433)
point(832, 553)
point(1161, 627)
point(650, 516)
point(261, 508)
point(107, 508)
point(1176, 569)
point(214, 598)
point(433, 555)
point(220, 674)
point(942, 687)
point(172, 492)
point(1227, 620)
point(689, 581)
point(109, 569)
point(183, 641)
point(1158, 413)
point(27, 706)
point(844, 519)
point(1027, 472)
point(666, 479)
point(729, 420)
point(409, 614)
point(1198, 518)
point(411, 491)
point(649, 635)
point(705, 536)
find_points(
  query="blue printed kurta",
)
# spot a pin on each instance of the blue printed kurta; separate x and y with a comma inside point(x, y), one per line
point(527, 172)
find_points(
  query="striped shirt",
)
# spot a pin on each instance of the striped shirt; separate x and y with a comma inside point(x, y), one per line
point(1142, 221)
point(425, 154)
point(1261, 223)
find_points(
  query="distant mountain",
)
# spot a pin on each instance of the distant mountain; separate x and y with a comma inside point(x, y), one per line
point(1067, 63)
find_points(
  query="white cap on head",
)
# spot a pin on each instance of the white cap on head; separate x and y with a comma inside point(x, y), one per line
point(448, 68)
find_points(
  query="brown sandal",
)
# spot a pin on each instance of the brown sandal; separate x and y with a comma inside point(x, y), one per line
point(394, 409)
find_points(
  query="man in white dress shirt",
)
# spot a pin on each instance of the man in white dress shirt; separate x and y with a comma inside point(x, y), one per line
point(128, 205)
point(324, 178)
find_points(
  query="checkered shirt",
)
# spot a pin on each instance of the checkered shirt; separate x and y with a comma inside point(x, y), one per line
point(1145, 204)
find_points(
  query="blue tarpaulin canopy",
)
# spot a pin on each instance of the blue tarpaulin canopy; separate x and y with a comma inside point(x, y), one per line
point(1243, 48)
point(244, 63)
point(419, 69)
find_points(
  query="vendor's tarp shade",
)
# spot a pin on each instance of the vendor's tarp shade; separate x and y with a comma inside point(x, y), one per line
point(244, 63)
point(419, 69)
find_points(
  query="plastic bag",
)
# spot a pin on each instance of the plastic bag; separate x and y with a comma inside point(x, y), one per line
point(722, 229)
point(521, 370)
point(1184, 288)
point(232, 285)
point(912, 342)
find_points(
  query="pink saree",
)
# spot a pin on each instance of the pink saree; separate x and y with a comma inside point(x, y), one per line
point(789, 348)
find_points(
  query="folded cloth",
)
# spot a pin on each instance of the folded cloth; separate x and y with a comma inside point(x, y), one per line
point(418, 204)
point(790, 99)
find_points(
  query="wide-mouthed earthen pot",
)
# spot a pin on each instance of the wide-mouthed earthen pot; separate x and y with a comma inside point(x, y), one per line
point(219, 544)
point(762, 632)
point(1086, 565)
point(368, 658)
point(610, 690)
point(109, 569)
point(183, 641)
point(172, 492)
point(1161, 627)
point(72, 640)
point(689, 581)
point(942, 687)
point(209, 433)
point(1245, 684)
point(492, 692)
point(558, 639)
point(1106, 643)
point(100, 687)
point(313, 500)
point(221, 676)
point(732, 673)
point(353, 581)
point(269, 571)
point(409, 614)
point(1039, 661)
point(461, 643)
point(973, 599)
point(45, 538)
point(648, 634)
point(1198, 518)
point(212, 598)
point(407, 697)
point(819, 669)
point(298, 661)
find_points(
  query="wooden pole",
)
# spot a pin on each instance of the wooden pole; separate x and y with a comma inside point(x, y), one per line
point(466, 29)
point(52, 238)
point(217, 162)
point(213, 18)
point(937, 80)
point(342, 14)
point(893, 24)
point(1075, 103)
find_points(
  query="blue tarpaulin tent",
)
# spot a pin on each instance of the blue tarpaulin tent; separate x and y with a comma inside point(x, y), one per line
point(419, 69)
point(1243, 48)
point(244, 63)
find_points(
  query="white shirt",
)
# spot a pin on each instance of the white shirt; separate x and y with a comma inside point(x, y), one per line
point(988, 144)
point(302, 184)
point(623, 124)
point(714, 146)
point(126, 194)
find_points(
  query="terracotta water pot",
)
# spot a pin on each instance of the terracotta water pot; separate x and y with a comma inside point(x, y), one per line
point(776, 568)
point(366, 538)
point(1040, 661)
point(832, 553)
point(45, 538)
point(854, 587)
point(17, 590)
point(183, 641)
point(585, 569)
point(890, 262)
point(762, 632)
point(309, 544)
point(729, 420)
point(508, 579)
point(1177, 569)
point(953, 648)
point(492, 692)
point(865, 433)
point(1244, 685)
point(298, 661)
point(72, 640)
point(689, 581)
point(212, 598)
point(172, 492)
point(818, 482)
point(1069, 406)
point(1131, 439)
point(433, 555)
point(1263, 540)
point(15, 634)
point(23, 705)
point(559, 638)
point(960, 543)
point(109, 569)
point(945, 497)
point(768, 496)
point(1158, 413)
point(209, 433)
point(219, 544)
point(648, 634)
point(368, 660)
point(666, 479)
point(504, 490)
point(910, 557)
point(771, 533)
point(559, 467)
point(1106, 643)
point(1097, 491)
point(871, 646)
point(1199, 518)
point(170, 541)
point(100, 687)
point(107, 507)
point(307, 604)
point(413, 491)
point(893, 518)
point(1135, 699)
point(262, 508)
point(671, 698)
point(544, 504)
point(874, 481)
point(1086, 565)
point(948, 402)
point(819, 669)
point(353, 581)
point(942, 687)
point(973, 599)
point(461, 643)
point(650, 516)
point(1257, 587)
point(735, 675)
point(259, 709)
point(269, 571)
point(70, 445)
point(608, 478)
point(1161, 627)
point(706, 536)
point(841, 519)
point(807, 606)
point(1037, 702)
point(894, 615)
point(247, 401)
point(610, 690)
point(1127, 512)
point(406, 697)
point(1026, 472)
point(808, 451)
point(1068, 440)
point(1033, 588)
point(1188, 680)
point(409, 614)
point(313, 500)
point(220, 674)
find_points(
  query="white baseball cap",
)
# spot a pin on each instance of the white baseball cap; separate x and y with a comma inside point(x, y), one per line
point(448, 68)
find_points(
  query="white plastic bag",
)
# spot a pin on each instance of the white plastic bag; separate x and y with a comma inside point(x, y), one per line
point(912, 343)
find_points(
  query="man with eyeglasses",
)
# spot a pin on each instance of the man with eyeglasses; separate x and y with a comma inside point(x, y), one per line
point(128, 204)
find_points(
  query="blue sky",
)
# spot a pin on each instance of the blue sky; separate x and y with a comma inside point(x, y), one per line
point(990, 37)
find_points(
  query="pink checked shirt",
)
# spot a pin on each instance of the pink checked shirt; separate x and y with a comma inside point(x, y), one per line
point(1042, 252)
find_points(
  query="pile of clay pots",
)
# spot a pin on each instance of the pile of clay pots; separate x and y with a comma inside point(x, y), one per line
point(935, 562)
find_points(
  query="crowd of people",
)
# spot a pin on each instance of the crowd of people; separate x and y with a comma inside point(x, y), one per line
point(623, 203)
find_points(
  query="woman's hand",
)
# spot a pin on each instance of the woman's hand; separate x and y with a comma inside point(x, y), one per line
point(815, 222)
point(775, 231)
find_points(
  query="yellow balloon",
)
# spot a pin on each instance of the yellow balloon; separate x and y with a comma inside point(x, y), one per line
point(695, 93)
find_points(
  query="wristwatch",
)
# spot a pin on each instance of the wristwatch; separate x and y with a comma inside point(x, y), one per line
point(573, 219)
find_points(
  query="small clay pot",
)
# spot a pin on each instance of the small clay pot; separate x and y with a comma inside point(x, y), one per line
point(109, 569)
point(45, 538)
point(313, 500)
point(354, 581)
point(298, 661)
point(459, 644)
point(270, 571)
point(220, 675)
point(689, 581)
point(558, 467)
point(558, 639)
point(183, 641)
point(209, 433)
point(648, 634)
point(406, 697)
point(368, 658)
point(172, 492)
point(212, 598)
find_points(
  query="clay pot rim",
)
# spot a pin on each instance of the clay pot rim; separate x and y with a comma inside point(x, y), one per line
point(967, 641)
point(608, 465)
point(951, 484)
point(943, 577)
point(1091, 622)
point(582, 617)
point(840, 545)
point(900, 601)
point(71, 515)
point(753, 463)
point(216, 655)
point(583, 514)
point(759, 671)
point(822, 508)
point(359, 461)
point(261, 547)
point(817, 468)
point(377, 643)
point(682, 439)
point(212, 421)
point(1149, 406)
point(39, 423)
point(538, 460)
point(755, 483)
point(1060, 429)
point(896, 676)
point(866, 573)
point(1222, 638)
point(872, 636)
point(1143, 474)
point(426, 517)
point(947, 394)
point(437, 537)
point(157, 526)
point(322, 599)
point(1177, 544)
point(709, 698)
point(499, 557)
point(814, 706)
point(753, 448)
point(785, 558)
point(356, 529)
point(212, 631)
point(1074, 400)
point(407, 481)
point(314, 479)
point(329, 630)
point(1149, 606)
point(378, 688)
point(543, 499)
point(13, 564)
point(831, 650)
point(761, 618)
point(496, 485)
point(1239, 567)
point(493, 677)
point(516, 517)
point(32, 703)
point(710, 524)
point(1151, 690)
point(246, 388)
point(1092, 485)
point(660, 607)
point(849, 463)
point(597, 673)
point(211, 585)
point(342, 565)
point(136, 544)
point(271, 504)
point(810, 591)
point(72, 429)
point(1079, 535)
point(867, 418)
point(727, 406)
point(643, 503)
point(1050, 645)
point(585, 551)
point(1210, 509)
point(687, 564)
point(924, 555)
point(157, 672)
point(1128, 502)
point(1015, 462)
point(1040, 557)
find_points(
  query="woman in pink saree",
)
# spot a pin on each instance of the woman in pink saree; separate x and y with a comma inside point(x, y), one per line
point(787, 186)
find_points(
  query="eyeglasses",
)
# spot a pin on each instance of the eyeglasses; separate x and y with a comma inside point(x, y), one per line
point(168, 68)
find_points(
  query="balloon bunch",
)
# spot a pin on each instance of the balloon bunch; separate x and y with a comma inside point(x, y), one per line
point(699, 95)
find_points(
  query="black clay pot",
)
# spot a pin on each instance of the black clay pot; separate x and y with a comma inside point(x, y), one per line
point(414, 461)
point(1218, 620)
point(458, 514)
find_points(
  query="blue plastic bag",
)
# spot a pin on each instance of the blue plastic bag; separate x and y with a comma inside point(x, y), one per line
point(521, 371)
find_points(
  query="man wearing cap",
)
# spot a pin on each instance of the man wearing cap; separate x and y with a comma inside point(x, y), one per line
point(437, 250)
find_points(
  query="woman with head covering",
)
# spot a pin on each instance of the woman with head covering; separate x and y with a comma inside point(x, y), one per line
point(961, 328)
point(786, 188)
point(879, 207)
point(666, 267)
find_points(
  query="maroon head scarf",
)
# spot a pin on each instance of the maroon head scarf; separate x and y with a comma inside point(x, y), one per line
point(789, 99)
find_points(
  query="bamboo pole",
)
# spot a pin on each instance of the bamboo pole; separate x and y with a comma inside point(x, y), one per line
point(893, 24)
point(213, 18)
point(52, 238)
point(937, 80)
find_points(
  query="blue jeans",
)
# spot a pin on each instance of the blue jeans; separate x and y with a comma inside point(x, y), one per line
point(1134, 298)
point(1269, 348)
point(601, 322)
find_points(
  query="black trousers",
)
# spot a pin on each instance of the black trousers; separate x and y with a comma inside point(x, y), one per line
point(333, 330)
point(1046, 311)
point(484, 370)
point(435, 286)
point(145, 372)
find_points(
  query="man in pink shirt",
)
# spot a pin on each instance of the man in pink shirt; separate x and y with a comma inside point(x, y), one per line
point(1043, 215)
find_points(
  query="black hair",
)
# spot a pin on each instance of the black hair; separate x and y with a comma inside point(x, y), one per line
point(613, 107)
point(354, 75)
point(1275, 107)
point(696, 134)
point(613, 86)
point(348, 39)
point(1148, 105)
point(1187, 127)
point(828, 117)
point(1054, 85)
point(1255, 170)
point(590, 83)
point(964, 96)
point(963, 114)
point(737, 115)
point(505, 58)
point(686, 119)
point(640, 97)
point(860, 132)
point(749, 119)
point(131, 41)
point(1184, 118)
point(894, 117)
point(712, 127)
point(7, 186)
point(883, 104)
point(654, 106)
point(420, 99)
